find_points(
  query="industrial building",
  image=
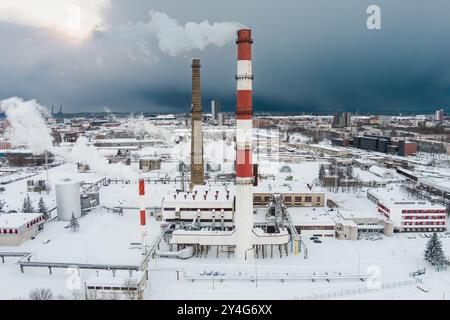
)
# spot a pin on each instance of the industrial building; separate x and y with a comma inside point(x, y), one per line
point(351, 225)
point(149, 164)
point(409, 215)
point(407, 148)
point(26, 158)
point(16, 228)
point(119, 285)
point(205, 204)
point(292, 195)
point(335, 151)
point(126, 143)
point(311, 222)
point(36, 185)
point(379, 144)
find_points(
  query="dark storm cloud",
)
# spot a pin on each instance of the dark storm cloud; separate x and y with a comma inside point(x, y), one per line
point(309, 56)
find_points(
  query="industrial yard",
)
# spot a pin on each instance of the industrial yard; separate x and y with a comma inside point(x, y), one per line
point(213, 202)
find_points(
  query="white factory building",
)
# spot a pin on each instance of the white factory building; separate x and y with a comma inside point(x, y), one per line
point(212, 204)
point(312, 222)
point(119, 285)
point(408, 215)
point(16, 228)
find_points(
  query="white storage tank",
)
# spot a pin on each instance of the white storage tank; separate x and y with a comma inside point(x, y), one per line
point(68, 199)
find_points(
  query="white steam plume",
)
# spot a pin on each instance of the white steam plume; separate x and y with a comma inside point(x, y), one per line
point(139, 41)
point(175, 39)
point(27, 126)
point(142, 127)
point(84, 153)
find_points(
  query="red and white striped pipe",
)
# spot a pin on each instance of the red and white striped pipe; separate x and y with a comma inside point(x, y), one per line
point(142, 214)
point(244, 113)
point(142, 201)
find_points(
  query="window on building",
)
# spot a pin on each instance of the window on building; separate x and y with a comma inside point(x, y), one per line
point(308, 199)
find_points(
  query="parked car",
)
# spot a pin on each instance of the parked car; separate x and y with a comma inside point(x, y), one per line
point(317, 241)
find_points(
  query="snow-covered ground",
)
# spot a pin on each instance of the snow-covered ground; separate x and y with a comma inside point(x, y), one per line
point(394, 257)
point(104, 238)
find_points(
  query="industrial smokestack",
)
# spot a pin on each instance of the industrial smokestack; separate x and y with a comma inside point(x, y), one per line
point(197, 167)
point(244, 166)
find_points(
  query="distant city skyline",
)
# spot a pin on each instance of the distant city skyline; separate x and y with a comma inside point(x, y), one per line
point(310, 56)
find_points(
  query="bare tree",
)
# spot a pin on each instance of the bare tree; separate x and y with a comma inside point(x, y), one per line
point(77, 295)
point(133, 289)
point(41, 294)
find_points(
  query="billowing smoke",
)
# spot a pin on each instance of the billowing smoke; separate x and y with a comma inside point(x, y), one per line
point(27, 126)
point(84, 153)
point(175, 39)
point(143, 127)
point(139, 41)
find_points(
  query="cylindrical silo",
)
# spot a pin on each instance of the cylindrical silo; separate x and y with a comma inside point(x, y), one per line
point(68, 199)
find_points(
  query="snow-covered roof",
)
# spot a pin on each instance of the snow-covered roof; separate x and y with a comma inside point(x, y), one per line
point(17, 220)
point(198, 194)
point(363, 214)
point(283, 186)
point(393, 198)
point(310, 216)
point(379, 171)
point(119, 278)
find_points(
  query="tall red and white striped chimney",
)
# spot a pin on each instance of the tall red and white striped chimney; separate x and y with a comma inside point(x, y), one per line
point(244, 165)
point(142, 214)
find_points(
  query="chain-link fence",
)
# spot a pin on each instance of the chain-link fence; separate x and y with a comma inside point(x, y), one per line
point(357, 291)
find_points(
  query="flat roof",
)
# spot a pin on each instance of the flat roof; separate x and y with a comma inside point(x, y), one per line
point(349, 215)
point(177, 198)
point(119, 279)
point(396, 198)
point(310, 216)
point(16, 220)
point(284, 186)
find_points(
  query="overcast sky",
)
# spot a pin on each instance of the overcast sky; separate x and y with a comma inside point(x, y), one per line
point(309, 55)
